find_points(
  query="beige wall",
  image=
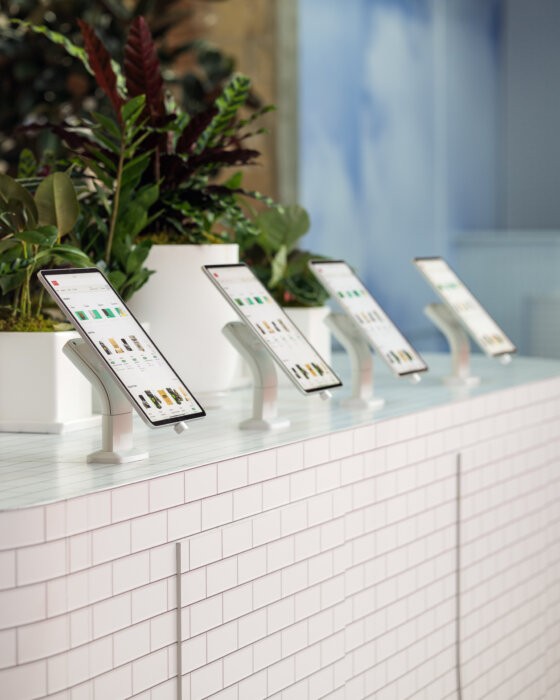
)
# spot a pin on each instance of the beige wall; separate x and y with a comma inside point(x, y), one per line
point(246, 30)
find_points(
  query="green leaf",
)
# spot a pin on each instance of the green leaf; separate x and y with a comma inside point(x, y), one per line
point(148, 195)
point(59, 39)
point(110, 125)
point(27, 164)
point(105, 175)
point(43, 236)
point(17, 199)
point(7, 244)
point(67, 253)
point(134, 283)
point(137, 257)
point(107, 141)
point(235, 181)
point(57, 202)
point(132, 109)
point(232, 98)
point(72, 50)
point(282, 226)
point(134, 169)
point(278, 267)
point(11, 282)
point(117, 279)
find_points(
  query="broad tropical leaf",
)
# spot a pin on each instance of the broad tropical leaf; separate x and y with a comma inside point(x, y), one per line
point(278, 267)
point(42, 236)
point(137, 257)
point(57, 203)
point(69, 254)
point(16, 198)
point(282, 226)
point(11, 282)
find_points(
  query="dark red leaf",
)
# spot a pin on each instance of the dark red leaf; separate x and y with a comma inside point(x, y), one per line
point(100, 62)
point(142, 70)
point(218, 158)
point(194, 129)
point(76, 141)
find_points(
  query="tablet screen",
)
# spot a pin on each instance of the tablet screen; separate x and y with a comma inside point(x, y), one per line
point(100, 316)
point(384, 337)
point(268, 320)
point(476, 320)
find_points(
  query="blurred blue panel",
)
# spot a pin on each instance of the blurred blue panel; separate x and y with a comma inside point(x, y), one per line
point(397, 136)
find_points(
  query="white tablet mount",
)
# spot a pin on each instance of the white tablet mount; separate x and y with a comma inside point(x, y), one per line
point(265, 381)
point(116, 411)
point(361, 361)
point(444, 319)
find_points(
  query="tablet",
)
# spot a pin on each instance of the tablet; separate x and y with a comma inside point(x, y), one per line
point(104, 321)
point(372, 322)
point(473, 317)
point(269, 322)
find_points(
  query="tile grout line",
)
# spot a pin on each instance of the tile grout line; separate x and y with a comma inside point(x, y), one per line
point(458, 582)
point(179, 674)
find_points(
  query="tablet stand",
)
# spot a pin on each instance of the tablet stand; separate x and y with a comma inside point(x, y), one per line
point(444, 319)
point(263, 372)
point(116, 411)
point(361, 361)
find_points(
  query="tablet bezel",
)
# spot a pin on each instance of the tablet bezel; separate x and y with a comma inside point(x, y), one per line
point(207, 270)
point(370, 342)
point(42, 274)
point(457, 315)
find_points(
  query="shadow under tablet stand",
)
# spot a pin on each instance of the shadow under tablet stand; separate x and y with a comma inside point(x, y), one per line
point(361, 362)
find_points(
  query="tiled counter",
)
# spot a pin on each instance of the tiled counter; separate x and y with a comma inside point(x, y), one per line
point(316, 562)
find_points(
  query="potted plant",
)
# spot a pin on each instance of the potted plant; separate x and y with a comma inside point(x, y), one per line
point(280, 264)
point(43, 83)
point(41, 389)
point(155, 165)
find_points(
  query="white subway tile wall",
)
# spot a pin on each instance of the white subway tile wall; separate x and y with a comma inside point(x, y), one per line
point(320, 569)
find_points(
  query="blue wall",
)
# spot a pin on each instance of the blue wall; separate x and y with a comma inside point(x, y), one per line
point(399, 136)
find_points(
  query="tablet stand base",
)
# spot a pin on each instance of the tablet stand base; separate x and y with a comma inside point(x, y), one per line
point(361, 362)
point(116, 412)
point(265, 381)
point(459, 346)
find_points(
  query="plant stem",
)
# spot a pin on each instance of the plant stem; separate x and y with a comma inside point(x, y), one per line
point(40, 302)
point(116, 200)
point(17, 302)
point(25, 288)
point(26, 295)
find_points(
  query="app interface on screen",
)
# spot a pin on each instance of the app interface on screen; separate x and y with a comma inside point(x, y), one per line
point(485, 331)
point(382, 334)
point(253, 301)
point(97, 309)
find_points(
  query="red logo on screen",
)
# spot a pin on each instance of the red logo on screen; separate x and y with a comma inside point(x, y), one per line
point(54, 283)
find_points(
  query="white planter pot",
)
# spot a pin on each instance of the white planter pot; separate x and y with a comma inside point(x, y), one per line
point(186, 314)
point(311, 322)
point(40, 389)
